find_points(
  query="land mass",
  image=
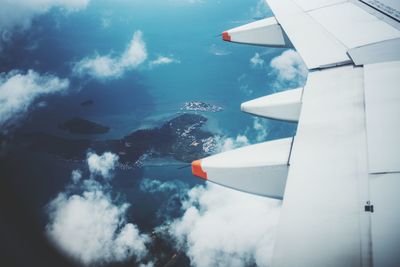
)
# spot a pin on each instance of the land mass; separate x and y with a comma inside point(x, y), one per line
point(181, 138)
point(81, 126)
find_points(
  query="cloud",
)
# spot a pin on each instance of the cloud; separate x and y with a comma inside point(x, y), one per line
point(102, 165)
point(163, 60)
point(224, 227)
point(18, 14)
point(76, 176)
point(217, 50)
point(289, 69)
point(112, 67)
point(260, 126)
point(156, 186)
point(256, 61)
point(173, 194)
point(19, 90)
point(91, 226)
point(229, 143)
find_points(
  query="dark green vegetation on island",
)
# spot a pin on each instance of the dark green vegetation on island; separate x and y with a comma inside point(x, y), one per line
point(81, 126)
point(181, 138)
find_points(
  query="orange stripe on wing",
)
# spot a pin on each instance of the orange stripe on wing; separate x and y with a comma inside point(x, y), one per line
point(226, 36)
point(197, 170)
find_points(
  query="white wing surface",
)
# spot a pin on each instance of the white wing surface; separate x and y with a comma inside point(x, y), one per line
point(342, 178)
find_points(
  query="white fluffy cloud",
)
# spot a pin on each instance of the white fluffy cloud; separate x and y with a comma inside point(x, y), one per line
point(18, 14)
point(19, 90)
point(256, 60)
point(102, 165)
point(111, 67)
point(229, 143)
point(163, 60)
point(91, 229)
point(224, 227)
point(290, 69)
point(91, 226)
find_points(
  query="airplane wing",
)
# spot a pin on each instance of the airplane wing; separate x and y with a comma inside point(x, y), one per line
point(339, 176)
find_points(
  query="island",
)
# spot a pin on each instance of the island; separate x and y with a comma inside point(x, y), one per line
point(200, 106)
point(181, 138)
point(81, 126)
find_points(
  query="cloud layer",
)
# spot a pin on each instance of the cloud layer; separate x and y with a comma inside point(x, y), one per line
point(111, 67)
point(224, 227)
point(91, 226)
point(19, 90)
point(290, 69)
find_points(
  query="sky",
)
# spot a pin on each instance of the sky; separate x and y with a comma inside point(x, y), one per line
point(140, 60)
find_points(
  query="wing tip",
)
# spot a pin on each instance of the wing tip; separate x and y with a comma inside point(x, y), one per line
point(197, 170)
point(226, 37)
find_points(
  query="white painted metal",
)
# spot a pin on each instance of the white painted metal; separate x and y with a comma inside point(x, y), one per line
point(259, 169)
point(323, 222)
point(262, 32)
point(280, 106)
point(316, 46)
point(382, 108)
point(346, 152)
point(352, 25)
point(388, 7)
point(377, 52)
point(308, 5)
point(385, 220)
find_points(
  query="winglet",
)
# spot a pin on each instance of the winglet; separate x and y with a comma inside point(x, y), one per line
point(226, 36)
point(197, 170)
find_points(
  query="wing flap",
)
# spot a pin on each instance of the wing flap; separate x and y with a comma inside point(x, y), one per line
point(327, 183)
point(388, 50)
point(382, 98)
